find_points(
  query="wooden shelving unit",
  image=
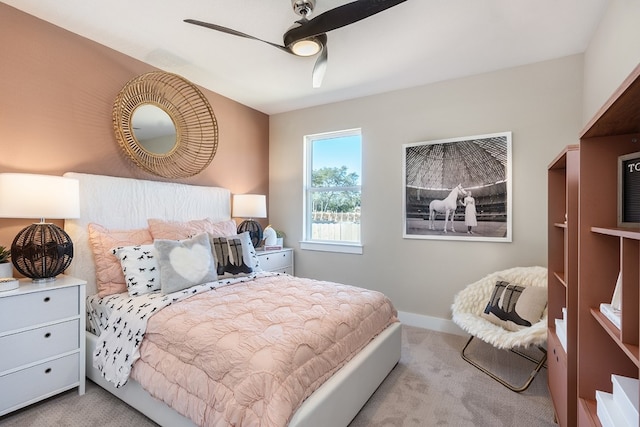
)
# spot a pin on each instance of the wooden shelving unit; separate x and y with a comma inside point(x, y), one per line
point(563, 282)
point(606, 250)
point(599, 348)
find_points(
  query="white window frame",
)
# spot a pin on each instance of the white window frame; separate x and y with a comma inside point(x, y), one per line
point(325, 245)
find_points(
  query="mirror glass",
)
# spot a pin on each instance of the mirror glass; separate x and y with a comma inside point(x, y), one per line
point(154, 129)
point(165, 125)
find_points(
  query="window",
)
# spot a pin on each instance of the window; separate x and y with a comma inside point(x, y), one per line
point(332, 188)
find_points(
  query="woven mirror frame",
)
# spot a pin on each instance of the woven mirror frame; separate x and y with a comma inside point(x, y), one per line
point(195, 124)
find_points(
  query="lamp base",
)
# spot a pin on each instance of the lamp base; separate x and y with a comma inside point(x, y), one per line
point(41, 251)
point(44, 280)
point(254, 229)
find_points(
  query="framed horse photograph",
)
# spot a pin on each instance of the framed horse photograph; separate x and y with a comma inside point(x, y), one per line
point(458, 189)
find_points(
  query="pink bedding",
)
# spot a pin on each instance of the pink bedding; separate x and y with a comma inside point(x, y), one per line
point(248, 354)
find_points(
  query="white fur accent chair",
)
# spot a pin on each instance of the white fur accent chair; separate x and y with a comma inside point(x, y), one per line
point(470, 302)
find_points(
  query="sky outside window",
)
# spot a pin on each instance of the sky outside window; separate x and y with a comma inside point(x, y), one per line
point(338, 152)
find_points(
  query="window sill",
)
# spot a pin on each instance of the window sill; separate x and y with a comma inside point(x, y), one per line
point(345, 248)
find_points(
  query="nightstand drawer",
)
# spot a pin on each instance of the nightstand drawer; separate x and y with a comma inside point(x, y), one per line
point(37, 344)
point(37, 382)
point(287, 270)
point(34, 308)
point(276, 261)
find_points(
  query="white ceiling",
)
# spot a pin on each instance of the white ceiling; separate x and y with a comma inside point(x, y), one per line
point(414, 43)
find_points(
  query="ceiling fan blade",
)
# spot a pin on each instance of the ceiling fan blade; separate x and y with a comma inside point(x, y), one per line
point(320, 67)
point(338, 17)
point(233, 32)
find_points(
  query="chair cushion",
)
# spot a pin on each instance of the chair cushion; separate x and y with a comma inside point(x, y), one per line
point(514, 306)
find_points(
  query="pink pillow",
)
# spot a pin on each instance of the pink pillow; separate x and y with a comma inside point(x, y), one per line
point(109, 277)
point(177, 230)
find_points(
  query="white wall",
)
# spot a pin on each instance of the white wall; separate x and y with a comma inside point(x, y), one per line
point(612, 54)
point(541, 104)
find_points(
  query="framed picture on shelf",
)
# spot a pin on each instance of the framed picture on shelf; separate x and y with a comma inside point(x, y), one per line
point(458, 189)
point(629, 190)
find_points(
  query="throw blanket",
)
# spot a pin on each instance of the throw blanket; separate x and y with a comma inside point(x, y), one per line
point(119, 342)
point(250, 353)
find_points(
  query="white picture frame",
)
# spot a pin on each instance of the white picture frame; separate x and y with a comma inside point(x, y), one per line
point(434, 170)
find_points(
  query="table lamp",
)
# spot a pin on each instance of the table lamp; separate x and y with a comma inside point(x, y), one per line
point(42, 250)
point(250, 206)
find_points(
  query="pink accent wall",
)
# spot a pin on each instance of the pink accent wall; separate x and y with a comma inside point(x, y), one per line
point(57, 91)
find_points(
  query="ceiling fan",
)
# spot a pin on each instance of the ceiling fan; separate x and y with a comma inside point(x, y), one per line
point(307, 37)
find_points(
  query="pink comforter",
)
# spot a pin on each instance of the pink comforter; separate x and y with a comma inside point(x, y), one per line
point(250, 353)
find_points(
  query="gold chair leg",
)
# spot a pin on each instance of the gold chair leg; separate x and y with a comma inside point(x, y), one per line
point(539, 364)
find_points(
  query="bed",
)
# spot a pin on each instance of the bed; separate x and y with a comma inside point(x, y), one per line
point(123, 203)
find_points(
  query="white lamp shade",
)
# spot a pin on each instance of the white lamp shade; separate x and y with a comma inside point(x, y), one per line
point(38, 196)
point(250, 206)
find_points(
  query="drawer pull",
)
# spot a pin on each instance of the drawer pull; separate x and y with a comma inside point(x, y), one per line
point(47, 299)
point(47, 371)
point(47, 335)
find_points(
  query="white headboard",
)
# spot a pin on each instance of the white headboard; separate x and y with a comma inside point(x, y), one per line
point(125, 203)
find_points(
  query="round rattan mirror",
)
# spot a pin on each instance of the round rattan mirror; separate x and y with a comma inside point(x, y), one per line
point(181, 110)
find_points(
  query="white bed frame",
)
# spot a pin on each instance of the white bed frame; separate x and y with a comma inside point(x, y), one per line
point(124, 203)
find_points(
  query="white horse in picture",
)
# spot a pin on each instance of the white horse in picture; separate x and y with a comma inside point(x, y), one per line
point(446, 206)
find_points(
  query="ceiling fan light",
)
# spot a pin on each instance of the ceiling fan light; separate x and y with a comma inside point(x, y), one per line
point(306, 47)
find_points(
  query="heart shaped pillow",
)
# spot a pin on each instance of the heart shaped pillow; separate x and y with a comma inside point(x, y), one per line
point(185, 263)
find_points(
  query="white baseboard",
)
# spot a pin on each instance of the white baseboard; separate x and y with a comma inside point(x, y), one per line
point(429, 322)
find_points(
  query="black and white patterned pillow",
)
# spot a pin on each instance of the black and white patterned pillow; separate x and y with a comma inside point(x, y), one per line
point(514, 306)
point(235, 255)
point(140, 267)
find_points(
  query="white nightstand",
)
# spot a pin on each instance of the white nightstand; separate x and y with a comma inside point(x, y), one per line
point(42, 346)
point(279, 260)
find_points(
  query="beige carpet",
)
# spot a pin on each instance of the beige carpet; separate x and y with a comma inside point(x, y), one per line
point(431, 386)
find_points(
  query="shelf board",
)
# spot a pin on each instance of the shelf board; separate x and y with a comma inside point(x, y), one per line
point(620, 114)
point(560, 162)
point(591, 409)
point(627, 233)
point(632, 351)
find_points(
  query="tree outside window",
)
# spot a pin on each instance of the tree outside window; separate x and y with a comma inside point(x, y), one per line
point(333, 187)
